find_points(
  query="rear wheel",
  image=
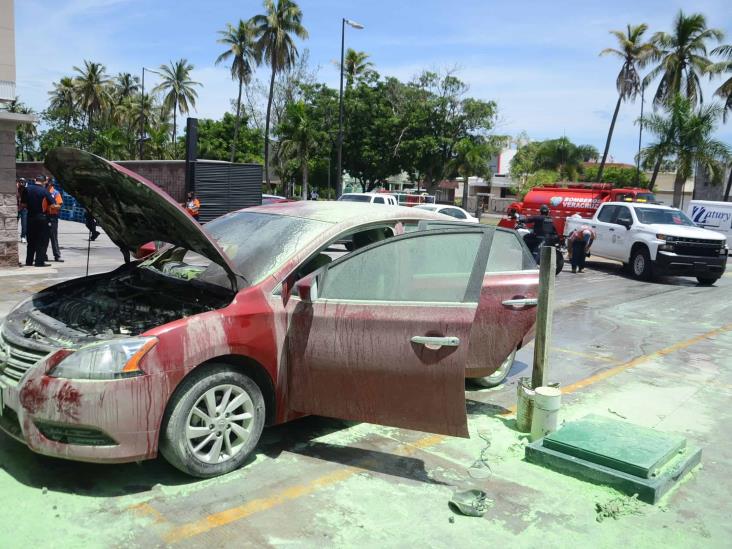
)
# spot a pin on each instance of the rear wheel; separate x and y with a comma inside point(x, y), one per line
point(213, 422)
point(499, 376)
point(640, 264)
point(707, 280)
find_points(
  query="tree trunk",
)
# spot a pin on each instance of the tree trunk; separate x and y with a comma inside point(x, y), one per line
point(656, 167)
point(678, 188)
point(175, 120)
point(266, 125)
point(609, 138)
point(238, 121)
point(464, 204)
point(729, 185)
point(305, 178)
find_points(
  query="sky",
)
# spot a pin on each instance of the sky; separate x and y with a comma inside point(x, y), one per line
point(537, 59)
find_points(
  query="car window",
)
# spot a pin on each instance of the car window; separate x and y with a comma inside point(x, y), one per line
point(355, 198)
point(508, 253)
point(420, 267)
point(623, 215)
point(607, 213)
point(662, 216)
point(453, 212)
point(378, 200)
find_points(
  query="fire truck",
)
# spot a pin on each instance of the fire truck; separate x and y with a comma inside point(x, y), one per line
point(565, 201)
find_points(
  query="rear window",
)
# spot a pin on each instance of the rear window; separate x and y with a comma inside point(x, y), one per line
point(508, 253)
point(355, 198)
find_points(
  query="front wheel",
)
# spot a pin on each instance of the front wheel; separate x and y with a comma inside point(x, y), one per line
point(707, 280)
point(640, 264)
point(499, 376)
point(213, 422)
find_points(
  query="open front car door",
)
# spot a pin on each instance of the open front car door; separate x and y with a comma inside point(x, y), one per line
point(382, 334)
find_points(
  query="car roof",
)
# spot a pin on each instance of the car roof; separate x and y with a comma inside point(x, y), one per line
point(641, 205)
point(342, 213)
point(367, 194)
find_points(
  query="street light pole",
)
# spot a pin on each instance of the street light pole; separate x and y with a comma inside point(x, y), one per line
point(640, 137)
point(339, 167)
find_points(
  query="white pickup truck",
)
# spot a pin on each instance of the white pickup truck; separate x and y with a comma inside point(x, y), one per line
point(652, 239)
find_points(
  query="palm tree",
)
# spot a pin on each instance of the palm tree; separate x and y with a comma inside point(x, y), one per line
point(471, 158)
point(682, 59)
point(687, 134)
point(299, 135)
point(180, 94)
point(126, 85)
point(63, 99)
point(92, 90)
point(725, 92)
point(355, 64)
point(276, 47)
point(241, 50)
point(26, 132)
point(635, 53)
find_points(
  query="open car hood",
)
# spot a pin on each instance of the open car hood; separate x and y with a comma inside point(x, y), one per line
point(130, 209)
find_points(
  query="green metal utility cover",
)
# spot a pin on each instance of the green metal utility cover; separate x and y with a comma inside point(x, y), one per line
point(618, 445)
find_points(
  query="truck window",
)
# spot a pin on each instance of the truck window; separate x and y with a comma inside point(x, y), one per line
point(607, 214)
point(623, 215)
point(378, 200)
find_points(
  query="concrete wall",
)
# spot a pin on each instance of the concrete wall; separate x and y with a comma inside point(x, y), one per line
point(7, 51)
point(8, 205)
point(169, 175)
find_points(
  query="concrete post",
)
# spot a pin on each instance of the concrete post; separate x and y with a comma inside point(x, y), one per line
point(544, 315)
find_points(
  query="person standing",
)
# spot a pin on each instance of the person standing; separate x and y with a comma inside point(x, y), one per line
point(22, 209)
point(314, 194)
point(53, 209)
point(38, 225)
point(193, 205)
point(578, 244)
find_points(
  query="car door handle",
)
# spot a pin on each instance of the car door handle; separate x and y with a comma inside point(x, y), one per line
point(611, 229)
point(435, 343)
point(520, 303)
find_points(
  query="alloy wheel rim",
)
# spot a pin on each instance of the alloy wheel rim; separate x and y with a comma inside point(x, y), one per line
point(220, 424)
point(639, 264)
point(501, 372)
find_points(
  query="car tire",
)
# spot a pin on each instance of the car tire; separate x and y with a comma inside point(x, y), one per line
point(640, 264)
point(707, 280)
point(215, 446)
point(499, 376)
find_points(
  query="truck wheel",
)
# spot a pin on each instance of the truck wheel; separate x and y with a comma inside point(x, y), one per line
point(707, 280)
point(213, 422)
point(499, 376)
point(640, 264)
point(560, 262)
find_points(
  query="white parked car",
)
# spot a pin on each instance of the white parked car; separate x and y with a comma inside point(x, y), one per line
point(451, 211)
point(653, 239)
point(370, 198)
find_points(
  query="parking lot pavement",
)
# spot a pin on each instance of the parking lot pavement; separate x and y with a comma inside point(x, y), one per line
point(657, 354)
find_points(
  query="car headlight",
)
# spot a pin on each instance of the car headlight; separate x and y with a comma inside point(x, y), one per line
point(665, 237)
point(114, 359)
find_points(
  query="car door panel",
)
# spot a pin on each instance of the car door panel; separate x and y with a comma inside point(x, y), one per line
point(351, 353)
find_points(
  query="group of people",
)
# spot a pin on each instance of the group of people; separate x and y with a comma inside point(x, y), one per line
point(579, 241)
point(39, 206)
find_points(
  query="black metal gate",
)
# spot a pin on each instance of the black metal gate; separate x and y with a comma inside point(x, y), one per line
point(223, 187)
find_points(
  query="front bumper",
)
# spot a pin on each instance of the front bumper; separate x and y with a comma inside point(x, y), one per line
point(690, 265)
point(112, 421)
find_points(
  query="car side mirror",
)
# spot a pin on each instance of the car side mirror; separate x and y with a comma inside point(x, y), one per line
point(625, 223)
point(307, 288)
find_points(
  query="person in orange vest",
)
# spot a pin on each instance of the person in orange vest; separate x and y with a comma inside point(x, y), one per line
point(193, 205)
point(52, 211)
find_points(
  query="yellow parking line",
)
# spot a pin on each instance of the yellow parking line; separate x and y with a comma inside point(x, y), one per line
point(228, 516)
point(584, 355)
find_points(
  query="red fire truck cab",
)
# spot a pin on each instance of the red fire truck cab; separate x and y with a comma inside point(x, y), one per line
point(565, 201)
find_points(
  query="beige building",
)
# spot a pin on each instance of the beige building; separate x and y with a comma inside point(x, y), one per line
point(8, 124)
point(664, 189)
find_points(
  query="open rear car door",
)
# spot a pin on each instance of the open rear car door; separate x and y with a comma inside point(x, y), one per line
point(382, 334)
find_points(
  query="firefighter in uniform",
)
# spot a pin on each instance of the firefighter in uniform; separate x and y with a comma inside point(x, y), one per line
point(53, 209)
point(38, 225)
point(193, 205)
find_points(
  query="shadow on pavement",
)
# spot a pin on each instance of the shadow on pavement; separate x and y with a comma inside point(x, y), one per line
point(618, 270)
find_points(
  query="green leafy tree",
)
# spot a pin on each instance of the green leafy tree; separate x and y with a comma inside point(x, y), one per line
point(25, 135)
point(62, 99)
point(355, 65)
point(536, 179)
point(241, 51)
point(299, 134)
point(179, 91)
point(563, 156)
point(725, 92)
point(619, 176)
point(276, 46)
point(682, 60)
point(472, 158)
point(126, 86)
point(215, 138)
point(92, 86)
point(688, 135)
point(634, 53)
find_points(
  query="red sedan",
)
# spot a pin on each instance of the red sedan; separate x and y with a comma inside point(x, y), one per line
point(255, 321)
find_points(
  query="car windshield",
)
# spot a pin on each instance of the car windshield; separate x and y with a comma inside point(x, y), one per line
point(255, 243)
point(659, 216)
point(355, 198)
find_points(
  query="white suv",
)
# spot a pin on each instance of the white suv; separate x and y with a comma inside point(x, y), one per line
point(372, 198)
